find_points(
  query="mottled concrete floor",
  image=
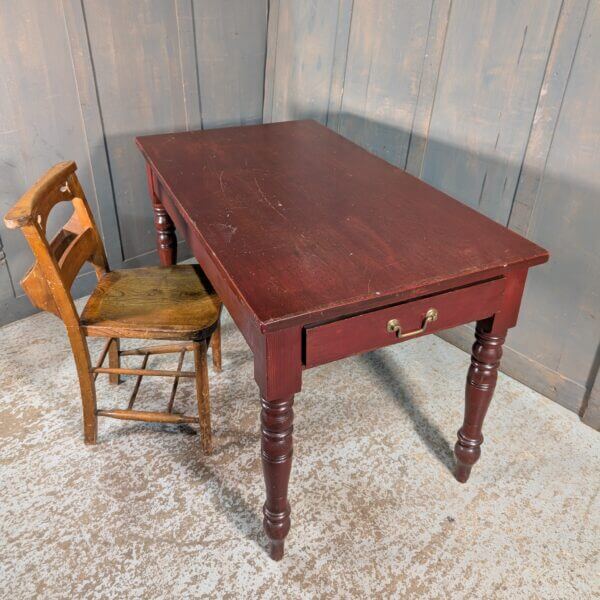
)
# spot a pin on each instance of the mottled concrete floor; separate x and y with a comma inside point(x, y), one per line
point(375, 510)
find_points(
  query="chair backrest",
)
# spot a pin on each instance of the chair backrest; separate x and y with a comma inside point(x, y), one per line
point(57, 262)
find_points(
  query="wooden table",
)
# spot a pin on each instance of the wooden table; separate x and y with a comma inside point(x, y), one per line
point(320, 250)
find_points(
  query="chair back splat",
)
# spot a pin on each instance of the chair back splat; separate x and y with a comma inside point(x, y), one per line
point(58, 261)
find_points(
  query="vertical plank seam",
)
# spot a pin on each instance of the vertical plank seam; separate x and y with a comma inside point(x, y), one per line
point(412, 125)
point(278, 18)
point(267, 12)
point(333, 57)
point(366, 97)
point(198, 86)
point(19, 165)
point(101, 121)
point(4, 262)
point(591, 398)
point(273, 15)
point(346, 60)
point(592, 385)
point(435, 87)
point(345, 63)
point(185, 100)
point(531, 126)
point(239, 116)
point(551, 141)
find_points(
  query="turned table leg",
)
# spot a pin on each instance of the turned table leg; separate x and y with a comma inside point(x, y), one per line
point(166, 240)
point(481, 381)
point(276, 427)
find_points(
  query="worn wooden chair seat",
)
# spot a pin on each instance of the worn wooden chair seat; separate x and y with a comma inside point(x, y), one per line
point(169, 303)
point(158, 303)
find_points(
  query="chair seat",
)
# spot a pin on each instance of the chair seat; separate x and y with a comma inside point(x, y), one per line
point(171, 303)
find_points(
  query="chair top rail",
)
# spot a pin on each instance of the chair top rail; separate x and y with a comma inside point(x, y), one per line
point(36, 203)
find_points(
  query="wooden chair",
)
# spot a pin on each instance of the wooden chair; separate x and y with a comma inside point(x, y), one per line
point(157, 303)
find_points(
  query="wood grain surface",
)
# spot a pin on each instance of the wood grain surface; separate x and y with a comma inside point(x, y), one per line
point(305, 223)
point(152, 303)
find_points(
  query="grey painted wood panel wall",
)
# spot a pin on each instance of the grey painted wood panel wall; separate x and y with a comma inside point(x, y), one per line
point(79, 79)
point(496, 103)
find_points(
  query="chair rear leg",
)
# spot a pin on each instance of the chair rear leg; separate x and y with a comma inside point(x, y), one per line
point(114, 361)
point(86, 384)
point(201, 367)
point(215, 344)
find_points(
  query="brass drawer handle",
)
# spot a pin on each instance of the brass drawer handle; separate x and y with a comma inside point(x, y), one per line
point(393, 325)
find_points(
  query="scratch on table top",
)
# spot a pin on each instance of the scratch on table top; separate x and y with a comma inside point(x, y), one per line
point(221, 181)
point(266, 200)
point(228, 231)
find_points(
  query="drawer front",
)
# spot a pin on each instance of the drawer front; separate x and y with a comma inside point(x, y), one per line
point(371, 330)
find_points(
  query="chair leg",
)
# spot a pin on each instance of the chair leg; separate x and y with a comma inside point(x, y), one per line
point(86, 384)
point(215, 344)
point(114, 361)
point(201, 367)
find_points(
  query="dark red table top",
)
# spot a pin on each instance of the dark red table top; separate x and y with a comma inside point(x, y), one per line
point(306, 225)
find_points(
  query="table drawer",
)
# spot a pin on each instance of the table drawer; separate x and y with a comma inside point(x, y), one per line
point(382, 327)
